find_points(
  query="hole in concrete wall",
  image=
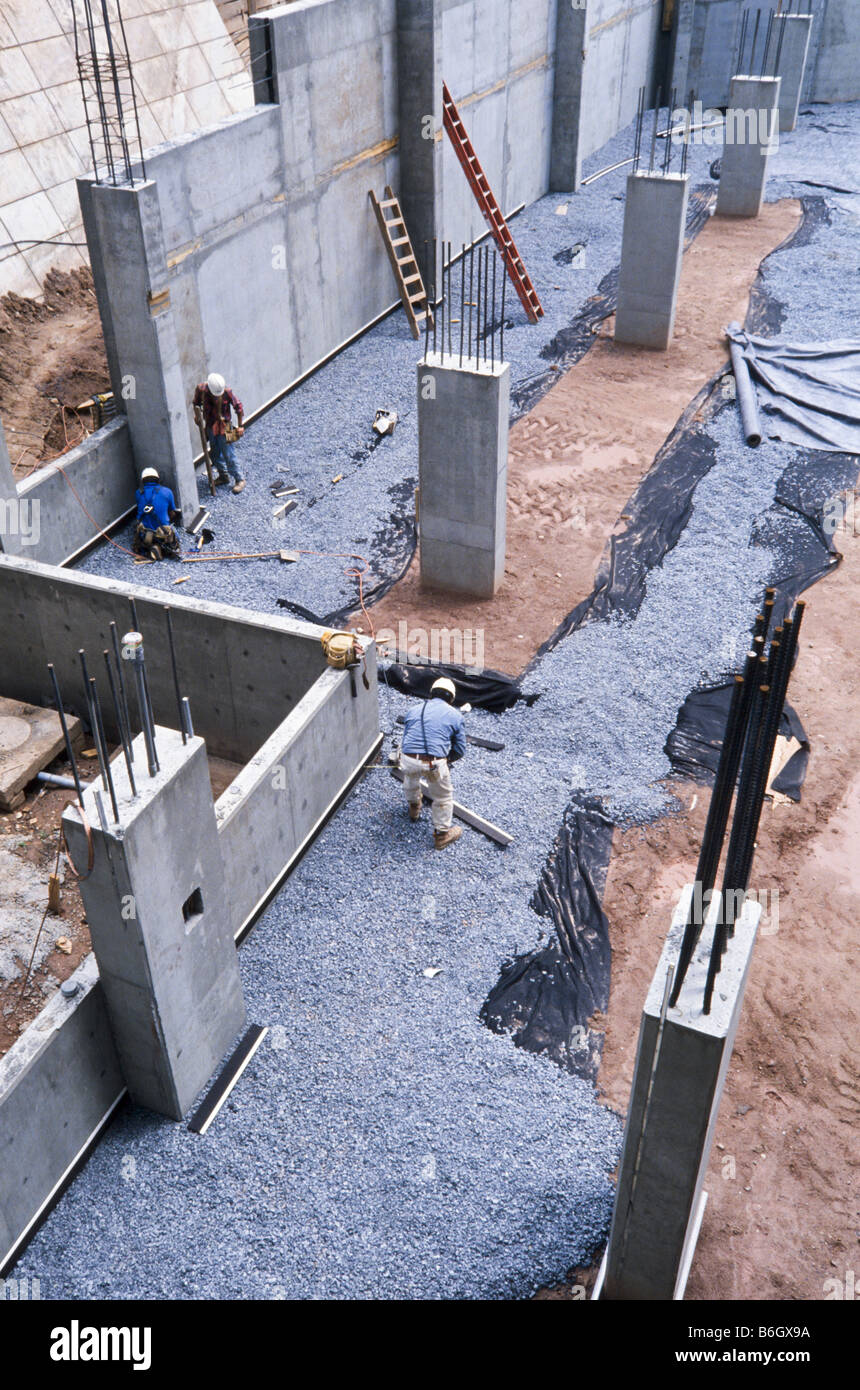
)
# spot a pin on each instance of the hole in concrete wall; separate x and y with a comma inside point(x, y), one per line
point(192, 910)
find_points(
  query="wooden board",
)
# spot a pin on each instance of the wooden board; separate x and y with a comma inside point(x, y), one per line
point(30, 738)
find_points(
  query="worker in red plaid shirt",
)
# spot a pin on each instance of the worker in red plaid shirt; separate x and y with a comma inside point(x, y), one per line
point(213, 402)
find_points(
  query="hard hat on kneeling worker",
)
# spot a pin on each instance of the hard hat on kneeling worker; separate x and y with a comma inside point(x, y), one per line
point(444, 689)
point(216, 383)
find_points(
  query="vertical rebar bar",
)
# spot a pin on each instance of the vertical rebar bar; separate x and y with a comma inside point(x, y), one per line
point(766, 50)
point(742, 40)
point(471, 293)
point(502, 319)
point(124, 734)
point(654, 129)
point(754, 41)
point(462, 300)
point(122, 689)
point(103, 749)
point(172, 648)
point(450, 294)
point(70, 753)
point(637, 144)
point(186, 715)
point(478, 313)
point(493, 325)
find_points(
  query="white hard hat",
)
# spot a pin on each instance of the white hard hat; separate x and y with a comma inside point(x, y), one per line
point(443, 684)
point(149, 474)
point(216, 384)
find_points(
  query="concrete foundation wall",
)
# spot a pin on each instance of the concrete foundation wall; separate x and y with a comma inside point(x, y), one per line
point(275, 803)
point(58, 1082)
point(705, 45)
point(102, 472)
point(242, 672)
point(497, 59)
point(621, 45)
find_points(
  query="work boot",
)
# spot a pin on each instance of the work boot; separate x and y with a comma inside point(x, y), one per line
point(441, 838)
point(237, 487)
point(222, 480)
point(414, 810)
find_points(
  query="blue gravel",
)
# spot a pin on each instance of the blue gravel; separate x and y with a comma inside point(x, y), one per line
point(383, 1143)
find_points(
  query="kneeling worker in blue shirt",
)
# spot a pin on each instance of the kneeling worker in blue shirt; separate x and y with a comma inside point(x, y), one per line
point(156, 511)
point(433, 738)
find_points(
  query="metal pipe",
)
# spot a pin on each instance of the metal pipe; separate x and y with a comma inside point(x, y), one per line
point(747, 403)
point(186, 714)
point(170, 644)
point(123, 692)
point(65, 728)
point(51, 779)
point(124, 734)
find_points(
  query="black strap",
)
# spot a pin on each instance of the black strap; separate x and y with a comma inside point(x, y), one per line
point(424, 731)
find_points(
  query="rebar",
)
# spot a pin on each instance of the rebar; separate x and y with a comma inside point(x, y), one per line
point(502, 330)
point(173, 668)
point(471, 293)
point(640, 116)
point(132, 644)
point(448, 300)
point(108, 90)
point(654, 129)
point(124, 733)
point(462, 300)
point(102, 747)
point(186, 717)
point(766, 50)
point(122, 689)
point(742, 40)
point(493, 326)
point(65, 728)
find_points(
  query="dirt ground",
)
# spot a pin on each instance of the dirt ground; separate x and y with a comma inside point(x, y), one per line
point(52, 358)
point(574, 461)
point(782, 1215)
point(31, 834)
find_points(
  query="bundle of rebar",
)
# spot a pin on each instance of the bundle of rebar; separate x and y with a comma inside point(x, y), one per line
point(752, 726)
point(465, 322)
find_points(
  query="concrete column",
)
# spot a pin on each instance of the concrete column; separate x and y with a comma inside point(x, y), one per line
point(565, 170)
point(156, 905)
point(680, 1072)
point(652, 249)
point(126, 244)
point(10, 530)
point(419, 99)
point(792, 32)
point(752, 125)
point(463, 417)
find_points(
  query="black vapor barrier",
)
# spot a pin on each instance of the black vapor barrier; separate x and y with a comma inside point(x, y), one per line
point(695, 743)
point(547, 998)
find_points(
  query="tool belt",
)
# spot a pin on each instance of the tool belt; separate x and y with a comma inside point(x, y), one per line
point(341, 649)
point(231, 434)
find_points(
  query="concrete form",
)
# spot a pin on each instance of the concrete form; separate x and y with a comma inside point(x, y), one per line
point(652, 250)
point(752, 124)
point(790, 38)
point(30, 738)
point(681, 1067)
point(158, 910)
point(463, 417)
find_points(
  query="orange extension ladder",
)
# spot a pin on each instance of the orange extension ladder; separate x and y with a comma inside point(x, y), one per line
point(489, 207)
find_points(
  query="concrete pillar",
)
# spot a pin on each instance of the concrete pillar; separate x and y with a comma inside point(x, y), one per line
point(463, 417)
point(126, 244)
point(652, 249)
point(419, 99)
point(752, 125)
point(792, 31)
point(565, 169)
point(10, 530)
point(156, 905)
point(680, 1072)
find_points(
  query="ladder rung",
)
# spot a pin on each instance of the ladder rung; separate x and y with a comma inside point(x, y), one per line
point(399, 241)
point(410, 279)
point(416, 298)
point(389, 203)
point(406, 260)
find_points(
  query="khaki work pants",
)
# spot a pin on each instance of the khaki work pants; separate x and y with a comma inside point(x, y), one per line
point(439, 787)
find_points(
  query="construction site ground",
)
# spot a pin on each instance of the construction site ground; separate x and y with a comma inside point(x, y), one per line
point(454, 1162)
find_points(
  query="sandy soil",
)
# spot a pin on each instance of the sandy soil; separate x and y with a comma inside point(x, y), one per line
point(577, 458)
point(781, 1218)
point(51, 356)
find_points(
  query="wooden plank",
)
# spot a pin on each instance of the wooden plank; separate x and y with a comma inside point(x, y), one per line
point(471, 818)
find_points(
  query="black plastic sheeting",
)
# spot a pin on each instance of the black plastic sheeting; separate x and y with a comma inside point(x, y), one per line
point(491, 690)
point(695, 742)
point(547, 998)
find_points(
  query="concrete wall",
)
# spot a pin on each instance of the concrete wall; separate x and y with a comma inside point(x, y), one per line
point(621, 49)
point(705, 46)
point(58, 1083)
point(275, 804)
point(242, 672)
point(101, 470)
point(497, 59)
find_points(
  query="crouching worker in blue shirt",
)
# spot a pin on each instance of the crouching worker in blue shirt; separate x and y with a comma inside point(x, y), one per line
point(434, 737)
point(154, 535)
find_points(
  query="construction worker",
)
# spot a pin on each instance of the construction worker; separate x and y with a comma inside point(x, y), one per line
point(213, 401)
point(156, 512)
point(433, 738)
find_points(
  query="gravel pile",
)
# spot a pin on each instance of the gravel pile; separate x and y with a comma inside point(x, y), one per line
point(383, 1143)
